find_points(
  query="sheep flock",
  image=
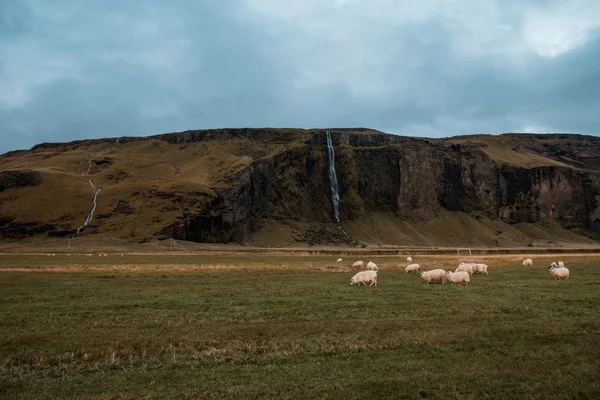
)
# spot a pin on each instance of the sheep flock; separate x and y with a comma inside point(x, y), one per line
point(461, 275)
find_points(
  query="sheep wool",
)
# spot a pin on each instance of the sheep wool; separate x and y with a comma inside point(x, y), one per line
point(364, 277)
point(433, 275)
point(559, 273)
point(412, 267)
point(457, 277)
point(372, 266)
point(480, 269)
point(467, 267)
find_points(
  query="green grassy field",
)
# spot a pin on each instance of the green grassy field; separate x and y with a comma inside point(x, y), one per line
point(291, 327)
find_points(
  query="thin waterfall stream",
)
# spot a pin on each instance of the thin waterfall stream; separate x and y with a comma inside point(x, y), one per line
point(333, 182)
point(98, 190)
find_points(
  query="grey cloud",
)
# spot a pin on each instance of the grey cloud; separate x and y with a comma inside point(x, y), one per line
point(75, 70)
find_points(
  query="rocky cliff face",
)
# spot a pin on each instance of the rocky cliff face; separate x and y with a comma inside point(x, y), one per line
point(414, 178)
point(512, 178)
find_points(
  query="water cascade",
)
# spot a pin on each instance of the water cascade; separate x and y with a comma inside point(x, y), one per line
point(333, 182)
point(98, 190)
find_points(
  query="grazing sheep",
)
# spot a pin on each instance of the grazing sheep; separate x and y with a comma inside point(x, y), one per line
point(433, 275)
point(467, 267)
point(372, 266)
point(364, 277)
point(457, 277)
point(412, 267)
point(409, 259)
point(559, 273)
point(480, 269)
point(559, 263)
point(358, 264)
point(528, 262)
point(339, 260)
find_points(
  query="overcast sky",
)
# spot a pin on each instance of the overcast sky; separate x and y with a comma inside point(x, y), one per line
point(76, 69)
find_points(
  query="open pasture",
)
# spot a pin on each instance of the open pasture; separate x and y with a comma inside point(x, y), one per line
point(290, 326)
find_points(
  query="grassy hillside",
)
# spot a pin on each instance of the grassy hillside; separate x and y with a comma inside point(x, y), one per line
point(154, 177)
point(150, 184)
point(509, 150)
point(454, 229)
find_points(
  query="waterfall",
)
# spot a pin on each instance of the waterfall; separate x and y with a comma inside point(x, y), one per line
point(98, 190)
point(333, 183)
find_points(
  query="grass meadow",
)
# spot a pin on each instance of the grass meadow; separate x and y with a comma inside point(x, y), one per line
point(237, 326)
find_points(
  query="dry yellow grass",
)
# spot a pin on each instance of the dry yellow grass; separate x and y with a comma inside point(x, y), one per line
point(501, 149)
point(138, 172)
point(159, 262)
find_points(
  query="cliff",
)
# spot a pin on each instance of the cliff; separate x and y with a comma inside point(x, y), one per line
point(271, 185)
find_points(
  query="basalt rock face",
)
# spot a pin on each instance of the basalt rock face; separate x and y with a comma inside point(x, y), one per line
point(568, 195)
point(289, 185)
point(11, 179)
point(415, 178)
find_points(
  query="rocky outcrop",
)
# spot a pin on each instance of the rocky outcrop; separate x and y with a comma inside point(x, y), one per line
point(124, 207)
point(568, 195)
point(288, 185)
point(11, 179)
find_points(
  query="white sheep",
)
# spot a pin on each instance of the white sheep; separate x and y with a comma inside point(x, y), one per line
point(559, 263)
point(412, 267)
point(433, 275)
point(528, 262)
point(553, 265)
point(358, 264)
point(339, 260)
point(364, 277)
point(480, 268)
point(409, 259)
point(467, 267)
point(559, 273)
point(372, 266)
point(457, 277)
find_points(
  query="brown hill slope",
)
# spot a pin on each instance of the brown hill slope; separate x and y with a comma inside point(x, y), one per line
point(271, 186)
